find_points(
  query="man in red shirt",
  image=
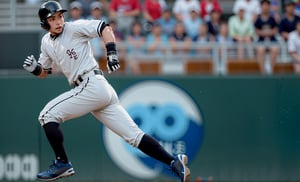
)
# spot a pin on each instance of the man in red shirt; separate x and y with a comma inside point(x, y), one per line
point(153, 9)
point(124, 12)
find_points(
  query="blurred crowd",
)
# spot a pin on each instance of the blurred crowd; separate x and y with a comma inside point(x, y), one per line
point(149, 26)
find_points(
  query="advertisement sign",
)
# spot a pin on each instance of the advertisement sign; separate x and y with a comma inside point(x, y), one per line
point(164, 111)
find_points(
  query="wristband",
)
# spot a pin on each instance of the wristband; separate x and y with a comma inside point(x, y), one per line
point(111, 47)
point(38, 70)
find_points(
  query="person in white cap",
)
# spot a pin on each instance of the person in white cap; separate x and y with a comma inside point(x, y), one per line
point(252, 10)
point(241, 30)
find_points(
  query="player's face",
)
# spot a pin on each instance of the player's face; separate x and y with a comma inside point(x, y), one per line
point(56, 22)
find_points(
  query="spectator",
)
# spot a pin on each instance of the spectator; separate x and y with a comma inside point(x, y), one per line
point(136, 39)
point(85, 7)
point(167, 21)
point(96, 13)
point(153, 10)
point(206, 7)
point(223, 36)
point(75, 11)
point(124, 12)
point(135, 46)
point(252, 10)
point(193, 23)
point(294, 46)
point(266, 28)
point(203, 39)
point(182, 8)
point(214, 23)
point(289, 20)
point(180, 41)
point(157, 41)
point(242, 31)
point(86, 4)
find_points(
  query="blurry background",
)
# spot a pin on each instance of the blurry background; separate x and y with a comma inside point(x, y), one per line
point(238, 59)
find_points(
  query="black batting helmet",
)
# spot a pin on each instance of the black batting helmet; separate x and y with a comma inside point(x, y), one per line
point(46, 10)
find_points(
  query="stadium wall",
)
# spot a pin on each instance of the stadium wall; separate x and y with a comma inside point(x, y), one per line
point(251, 129)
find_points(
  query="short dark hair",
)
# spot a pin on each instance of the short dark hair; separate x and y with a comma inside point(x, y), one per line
point(265, 1)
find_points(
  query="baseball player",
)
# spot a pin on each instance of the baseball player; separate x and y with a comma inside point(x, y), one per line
point(67, 45)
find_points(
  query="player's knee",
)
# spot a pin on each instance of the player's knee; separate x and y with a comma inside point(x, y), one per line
point(46, 117)
point(135, 140)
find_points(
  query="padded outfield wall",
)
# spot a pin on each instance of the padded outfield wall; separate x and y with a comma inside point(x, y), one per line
point(239, 128)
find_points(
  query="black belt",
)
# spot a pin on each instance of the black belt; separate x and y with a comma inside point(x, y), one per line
point(86, 75)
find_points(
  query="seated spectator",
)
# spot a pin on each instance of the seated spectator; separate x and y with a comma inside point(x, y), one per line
point(153, 10)
point(167, 21)
point(242, 31)
point(96, 13)
point(252, 10)
point(294, 47)
point(135, 39)
point(125, 13)
point(135, 46)
point(223, 36)
point(182, 8)
point(206, 7)
point(226, 41)
point(75, 11)
point(214, 23)
point(289, 20)
point(157, 41)
point(193, 23)
point(86, 4)
point(203, 39)
point(266, 29)
point(180, 41)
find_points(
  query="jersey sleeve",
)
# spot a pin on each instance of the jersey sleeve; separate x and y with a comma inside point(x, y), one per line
point(89, 28)
point(44, 59)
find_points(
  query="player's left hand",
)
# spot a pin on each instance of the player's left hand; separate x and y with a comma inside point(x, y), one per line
point(30, 64)
point(112, 62)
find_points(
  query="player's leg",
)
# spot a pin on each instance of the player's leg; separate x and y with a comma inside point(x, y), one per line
point(116, 118)
point(74, 103)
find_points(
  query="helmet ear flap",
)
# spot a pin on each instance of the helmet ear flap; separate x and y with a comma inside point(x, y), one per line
point(44, 24)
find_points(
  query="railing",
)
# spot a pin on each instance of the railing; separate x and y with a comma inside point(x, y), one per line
point(216, 54)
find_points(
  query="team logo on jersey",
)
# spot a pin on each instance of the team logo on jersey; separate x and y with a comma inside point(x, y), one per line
point(164, 111)
point(72, 54)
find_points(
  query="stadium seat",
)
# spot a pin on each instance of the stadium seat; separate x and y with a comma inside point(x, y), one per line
point(102, 65)
point(283, 68)
point(198, 66)
point(245, 66)
point(152, 67)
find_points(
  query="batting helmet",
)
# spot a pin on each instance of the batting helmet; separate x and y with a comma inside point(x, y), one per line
point(46, 10)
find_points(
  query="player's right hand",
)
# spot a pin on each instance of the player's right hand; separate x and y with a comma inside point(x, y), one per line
point(30, 63)
point(112, 62)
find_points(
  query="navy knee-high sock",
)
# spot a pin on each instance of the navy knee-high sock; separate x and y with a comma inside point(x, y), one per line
point(151, 147)
point(55, 138)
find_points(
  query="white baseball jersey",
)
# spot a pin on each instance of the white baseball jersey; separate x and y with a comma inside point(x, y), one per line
point(294, 42)
point(71, 51)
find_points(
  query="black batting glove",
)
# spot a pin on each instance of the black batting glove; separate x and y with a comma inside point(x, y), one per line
point(113, 63)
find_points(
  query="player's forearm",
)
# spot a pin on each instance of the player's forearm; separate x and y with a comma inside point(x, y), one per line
point(108, 35)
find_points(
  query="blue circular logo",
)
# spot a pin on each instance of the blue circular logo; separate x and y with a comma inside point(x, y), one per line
point(164, 111)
